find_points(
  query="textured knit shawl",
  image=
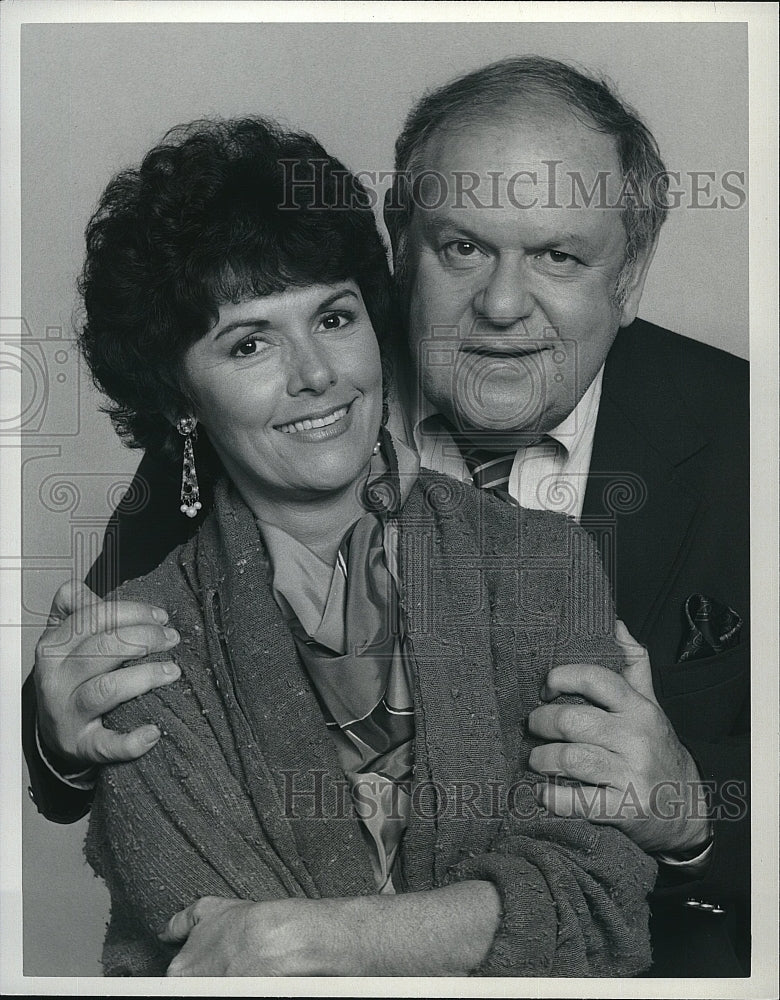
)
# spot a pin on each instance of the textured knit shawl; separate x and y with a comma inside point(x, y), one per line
point(243, 795)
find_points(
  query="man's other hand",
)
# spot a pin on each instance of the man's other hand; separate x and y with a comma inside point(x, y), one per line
point(634, 772)
point(79, 676)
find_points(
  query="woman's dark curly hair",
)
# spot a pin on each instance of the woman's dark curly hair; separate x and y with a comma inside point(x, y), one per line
point(220, 211)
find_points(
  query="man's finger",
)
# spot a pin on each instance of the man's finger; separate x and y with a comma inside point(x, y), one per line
point(98, 695)
point(631, 649)
point(579, 724)
point(180, 925)
point(100, 616)
point(102, 652)
point(637, 670)
point(71, 595)
point(104, 746)
point(597, 684)
point(128, 642)
point(590, 802)
point(580, 761)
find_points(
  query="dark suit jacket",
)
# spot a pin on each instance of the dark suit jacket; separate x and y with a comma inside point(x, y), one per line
point(667, 501)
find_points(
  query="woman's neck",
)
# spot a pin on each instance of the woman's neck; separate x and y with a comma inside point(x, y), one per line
point(319, 523)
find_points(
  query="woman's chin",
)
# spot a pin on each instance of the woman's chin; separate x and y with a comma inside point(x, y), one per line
point(323, 475)
point(336, 480)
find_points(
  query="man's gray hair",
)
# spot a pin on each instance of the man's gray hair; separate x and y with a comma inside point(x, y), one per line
point(477, 97)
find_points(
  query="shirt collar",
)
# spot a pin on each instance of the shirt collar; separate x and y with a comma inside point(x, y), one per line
point(570, 432)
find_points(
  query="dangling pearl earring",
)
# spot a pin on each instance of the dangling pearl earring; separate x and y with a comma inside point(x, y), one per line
point(190, 494)
point(377, 448)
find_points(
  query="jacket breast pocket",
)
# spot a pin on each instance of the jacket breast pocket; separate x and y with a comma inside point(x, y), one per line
point(708, 699)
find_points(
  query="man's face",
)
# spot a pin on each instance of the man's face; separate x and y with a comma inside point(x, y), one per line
point(512, 309)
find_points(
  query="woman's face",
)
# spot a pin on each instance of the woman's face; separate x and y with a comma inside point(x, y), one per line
point(289, 388)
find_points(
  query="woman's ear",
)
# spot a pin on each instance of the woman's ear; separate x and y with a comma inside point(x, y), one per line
point(185, 425)
point(633, 294)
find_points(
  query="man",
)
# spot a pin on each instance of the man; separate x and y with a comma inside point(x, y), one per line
point(524, 218)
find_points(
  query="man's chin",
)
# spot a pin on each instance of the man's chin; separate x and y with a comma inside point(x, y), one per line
point(495, 437)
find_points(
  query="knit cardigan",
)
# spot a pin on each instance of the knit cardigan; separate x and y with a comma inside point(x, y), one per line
point(243, 795)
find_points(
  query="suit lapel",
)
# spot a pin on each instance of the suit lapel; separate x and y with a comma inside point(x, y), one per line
point(640, 503)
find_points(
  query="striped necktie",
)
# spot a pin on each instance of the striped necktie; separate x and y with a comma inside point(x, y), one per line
point(489, 471)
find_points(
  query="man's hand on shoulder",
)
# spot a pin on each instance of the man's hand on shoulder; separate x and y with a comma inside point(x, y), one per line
point(634, 772)
point(79, 676)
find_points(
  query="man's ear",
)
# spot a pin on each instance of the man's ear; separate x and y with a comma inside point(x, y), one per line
point(633, 294)
point(390, 215)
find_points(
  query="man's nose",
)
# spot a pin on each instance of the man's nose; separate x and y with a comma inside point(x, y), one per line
point(311, 370)
point(506, 297)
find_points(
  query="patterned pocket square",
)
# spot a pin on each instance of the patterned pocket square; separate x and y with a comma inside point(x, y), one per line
point(712, 628)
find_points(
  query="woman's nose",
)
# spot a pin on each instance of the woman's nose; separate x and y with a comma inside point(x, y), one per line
point(311, 370)
point(506, 296)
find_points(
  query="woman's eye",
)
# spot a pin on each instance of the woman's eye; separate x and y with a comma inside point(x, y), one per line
point(247, 348)
point(335, 321)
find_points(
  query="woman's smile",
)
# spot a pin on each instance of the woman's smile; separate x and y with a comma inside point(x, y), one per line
point(331, 421)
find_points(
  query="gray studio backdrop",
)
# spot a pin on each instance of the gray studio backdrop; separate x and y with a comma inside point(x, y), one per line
point(95, 97)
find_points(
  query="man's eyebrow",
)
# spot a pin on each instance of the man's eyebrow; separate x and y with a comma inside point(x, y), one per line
point(435, 225)
point(574, 240)
point(260, 323)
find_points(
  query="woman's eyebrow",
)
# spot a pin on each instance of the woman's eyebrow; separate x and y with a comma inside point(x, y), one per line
point(256, 323)
point(340, 294)
point(260, 323)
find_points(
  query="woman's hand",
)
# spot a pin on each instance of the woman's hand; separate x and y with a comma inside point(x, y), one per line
point(235, 937)
point(440, 932)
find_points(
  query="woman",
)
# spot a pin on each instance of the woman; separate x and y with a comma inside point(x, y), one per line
point(341, 786)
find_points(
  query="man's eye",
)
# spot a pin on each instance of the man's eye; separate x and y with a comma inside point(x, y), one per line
point(461, 251)
point(558, 257)
point(462, 248)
